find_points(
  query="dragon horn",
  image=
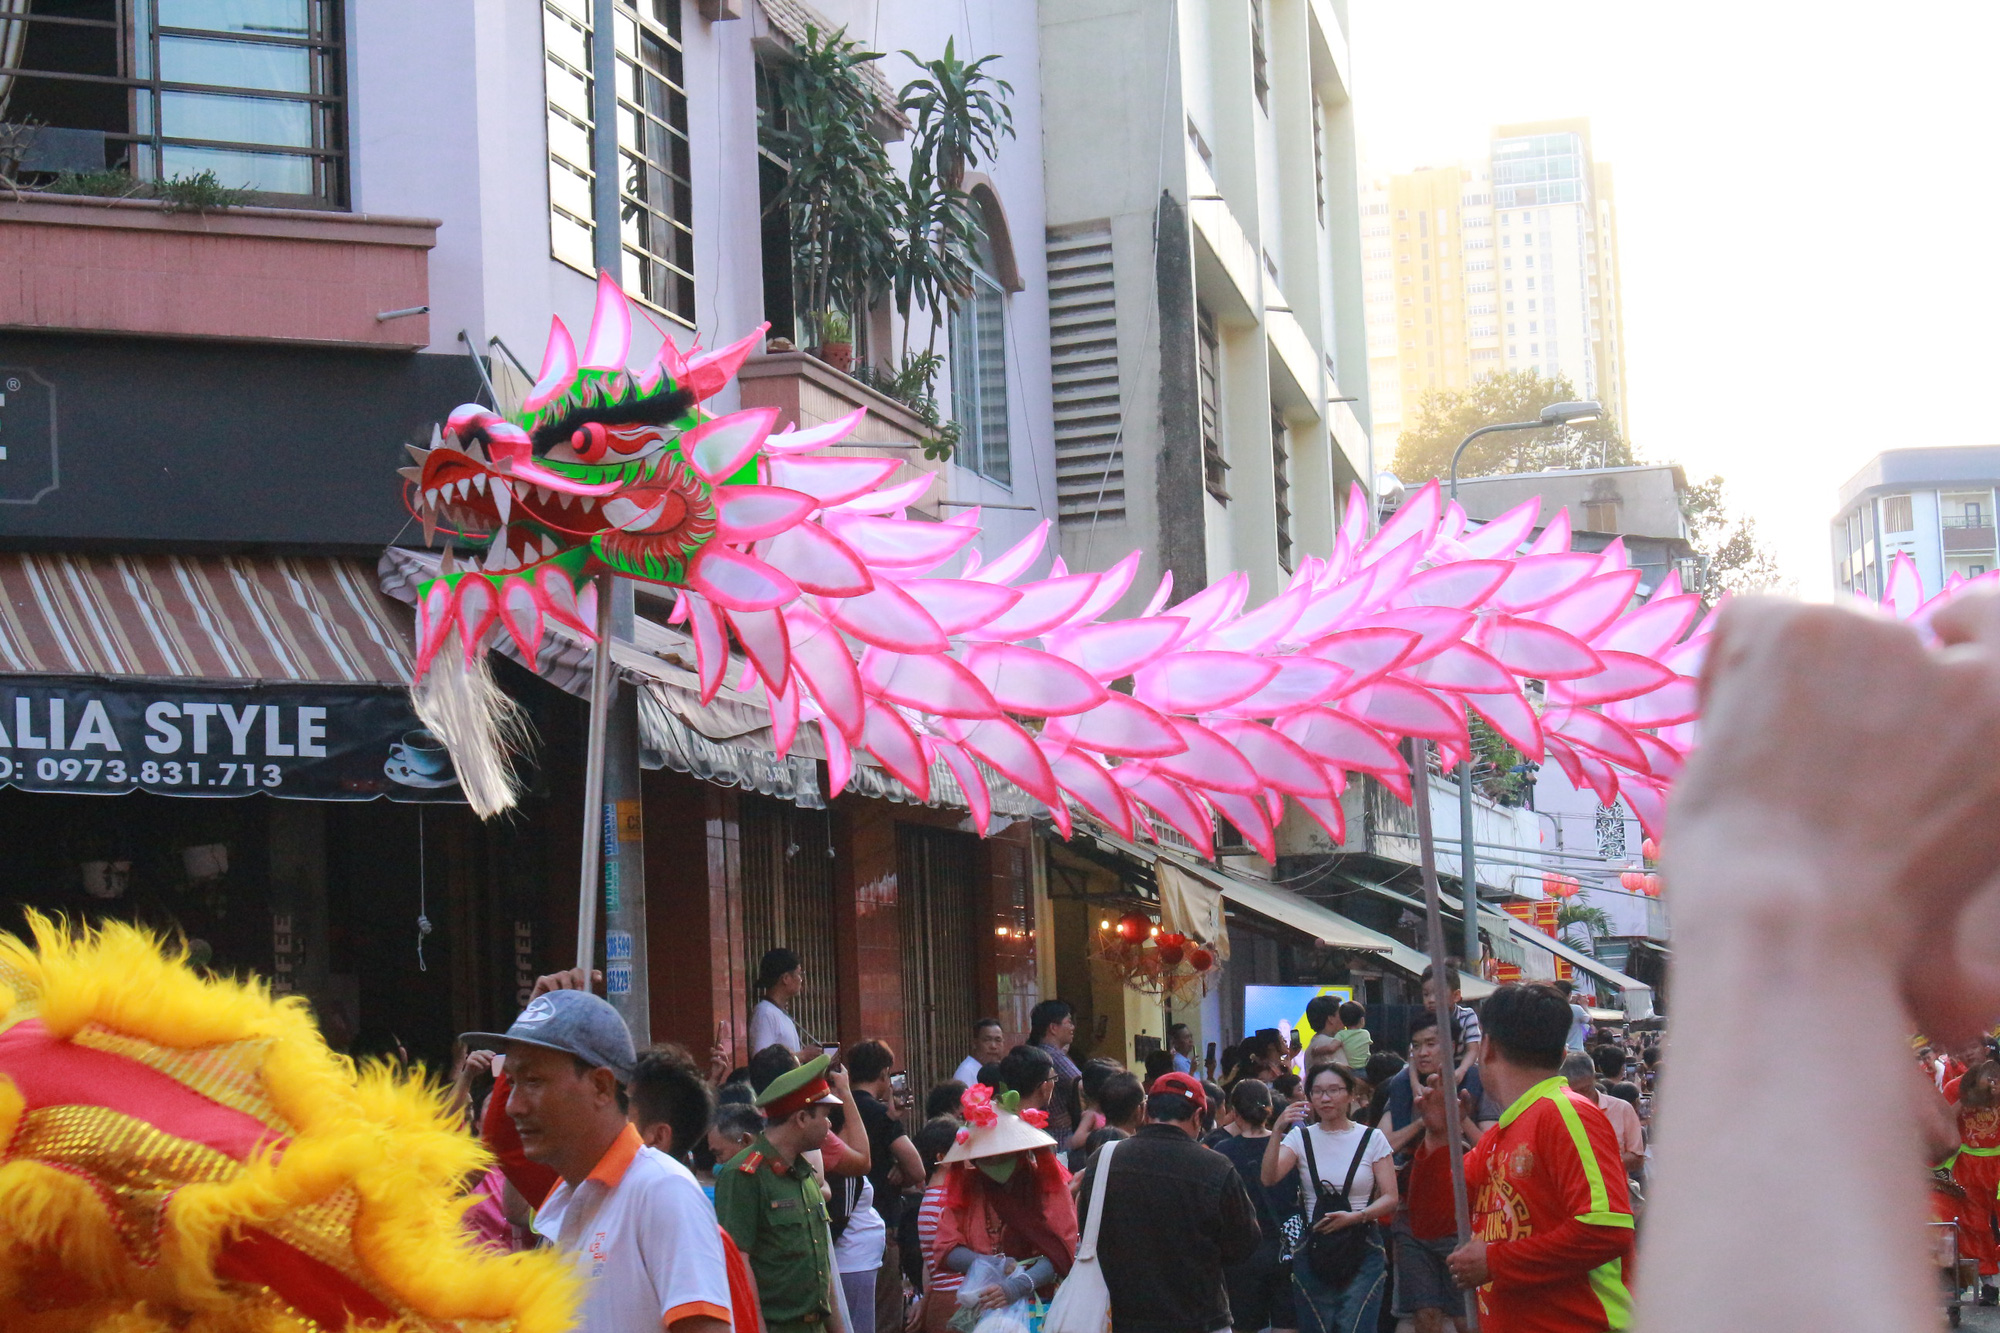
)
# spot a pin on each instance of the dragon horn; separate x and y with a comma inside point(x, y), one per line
point(610, 328)
point(558, 368)
point(417, 454)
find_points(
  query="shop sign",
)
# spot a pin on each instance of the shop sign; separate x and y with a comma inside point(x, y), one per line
point(307, 742)
point(29, 468)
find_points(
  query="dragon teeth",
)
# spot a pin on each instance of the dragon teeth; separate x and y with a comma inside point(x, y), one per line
point(586, 503)
point(549, 547)
point(479, 482)
point(562, 499)
point(542, 494)
point(503, 499)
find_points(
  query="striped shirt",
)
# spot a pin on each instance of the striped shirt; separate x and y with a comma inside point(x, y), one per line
point(936, 1277)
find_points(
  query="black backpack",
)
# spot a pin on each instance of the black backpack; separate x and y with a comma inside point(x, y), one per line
point(1335, 1256)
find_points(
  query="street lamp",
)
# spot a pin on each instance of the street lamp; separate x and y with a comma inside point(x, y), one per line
point(1555, 414)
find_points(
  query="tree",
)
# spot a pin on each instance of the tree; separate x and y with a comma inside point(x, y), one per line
point(1576, 913)
point(1447, 416)
point(1735, 560)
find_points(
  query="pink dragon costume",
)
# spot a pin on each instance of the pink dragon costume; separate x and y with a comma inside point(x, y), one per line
point(900, 643)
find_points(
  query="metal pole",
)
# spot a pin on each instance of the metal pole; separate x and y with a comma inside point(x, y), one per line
point(1441, 988)
point(593, 784)
point(606, 248)
point(1468, 893)
point(623, 830)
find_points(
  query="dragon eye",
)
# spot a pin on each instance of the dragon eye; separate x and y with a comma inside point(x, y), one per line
point(590, 442)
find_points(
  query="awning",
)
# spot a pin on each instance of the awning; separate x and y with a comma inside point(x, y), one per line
point(210, 676)
point(727, 740)
point(297, 619)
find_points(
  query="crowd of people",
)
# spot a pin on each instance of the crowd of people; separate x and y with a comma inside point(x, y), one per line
point(1278, 1184)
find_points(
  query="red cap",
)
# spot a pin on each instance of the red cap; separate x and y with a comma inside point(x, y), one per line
point(1186, 1085)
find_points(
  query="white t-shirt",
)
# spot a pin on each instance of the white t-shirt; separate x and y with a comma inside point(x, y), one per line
point(644, 1237)
point(1332, 1152)
point(859, 1249)
point(772, 1026)
point(1579, 1025)
point(968, 1071)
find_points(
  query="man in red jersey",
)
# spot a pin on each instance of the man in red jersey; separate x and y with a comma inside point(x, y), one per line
point(1551, 1211)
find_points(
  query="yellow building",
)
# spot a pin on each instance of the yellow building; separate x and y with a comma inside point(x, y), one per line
point(1507, 264)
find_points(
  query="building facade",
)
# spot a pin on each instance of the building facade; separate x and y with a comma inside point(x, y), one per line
point(205, 387)
point(1934, 505)
point(1506, 264)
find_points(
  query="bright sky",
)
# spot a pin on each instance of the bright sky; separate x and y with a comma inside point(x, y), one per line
point(1807, 197)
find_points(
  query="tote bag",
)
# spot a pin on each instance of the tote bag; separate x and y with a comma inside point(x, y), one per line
point(1082, 1303)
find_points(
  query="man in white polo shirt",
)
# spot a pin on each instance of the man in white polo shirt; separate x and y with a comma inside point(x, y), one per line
point(642, 1231)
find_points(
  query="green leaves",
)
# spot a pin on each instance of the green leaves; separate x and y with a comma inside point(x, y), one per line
point(959, 114)
point(1446, 416)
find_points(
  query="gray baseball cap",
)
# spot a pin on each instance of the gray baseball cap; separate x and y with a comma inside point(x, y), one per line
point(571, 1021)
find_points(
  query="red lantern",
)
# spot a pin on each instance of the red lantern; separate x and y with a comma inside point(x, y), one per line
point(1559, 886)
point(1200, 959)
point(1632, 881)
point(1650, 850)
point(1172, 947)
point(1652, 889)
point(1133, 927)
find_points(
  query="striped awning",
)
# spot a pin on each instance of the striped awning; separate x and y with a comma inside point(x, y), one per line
point(306, 619)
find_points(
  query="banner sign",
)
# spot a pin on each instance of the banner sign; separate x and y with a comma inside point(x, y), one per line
point(306, 742)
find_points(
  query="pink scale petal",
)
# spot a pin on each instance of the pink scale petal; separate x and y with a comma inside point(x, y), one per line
point(822, 661)
point(959, 605)
point(1209, 762)
point(1501, 537)
point(817, 561)
point(476, 607)
point(1013, 752)
point(1461, 668)
point(1301, 682)
point(1418, 518)
point(1625, 676)
point(1436, 628)
point(815, 437)
point(1200, 681)
point(1111, 586)
point(521, 613)
point(1119, 647)
point(889, 500)
point(889, 738)
point(1595, 603)
point(889, 618)
point(1405, 709)
point(1542, 652)
point(970, 781)
point(558, 369)
point(1590, 730)
point(559, 599)
point(1160, 595)
point(890, 543)
point(1090, 785)
point(784, 719)
point(1043, 606)
point(1326, 813)
point(718, 449)
point(1257, 630)
point(927, 681)
point(1554, 537)
point(1677, 701)
point(1663, 759)
point(1121, 725)
point(1463, 585)
point(1212, 605)
point(839, 760)
point(1513, 717)
point(830, 480)
point(752, 513)
point(711, 644)
point(1179, 807)
point(1026, 680)
point(706, 374)
point(1367, 654)
point(1539, 579)
point(1342, 742)
point(1648, 802)
point(1282, 763)
point(1016, 560)
point(739, 581)
point(1612, 559)
point(1251, 819)
point(1653, 628)
point(766, 643)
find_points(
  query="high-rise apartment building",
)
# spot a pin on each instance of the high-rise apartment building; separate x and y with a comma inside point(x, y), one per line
point(1510, 264)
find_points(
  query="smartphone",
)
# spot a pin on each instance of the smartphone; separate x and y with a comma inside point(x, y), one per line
point(899, 1089)
point(832, 1054)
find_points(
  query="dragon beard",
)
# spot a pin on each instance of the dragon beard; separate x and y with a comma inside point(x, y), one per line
point(479, 722)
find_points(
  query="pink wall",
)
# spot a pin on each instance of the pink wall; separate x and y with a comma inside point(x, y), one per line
point(262, 274)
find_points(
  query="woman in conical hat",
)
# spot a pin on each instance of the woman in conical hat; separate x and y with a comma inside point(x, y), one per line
point(1005, 1193)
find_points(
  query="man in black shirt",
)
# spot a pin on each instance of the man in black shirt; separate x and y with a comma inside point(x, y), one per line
point(893, 1164)
point(1176, 1215)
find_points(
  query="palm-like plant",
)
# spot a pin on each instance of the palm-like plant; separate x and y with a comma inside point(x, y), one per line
point(1574, 913)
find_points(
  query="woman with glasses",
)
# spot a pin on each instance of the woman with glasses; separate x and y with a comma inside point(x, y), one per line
point(1344, 1154)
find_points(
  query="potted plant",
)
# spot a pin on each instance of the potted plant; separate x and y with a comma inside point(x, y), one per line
point(836, 340)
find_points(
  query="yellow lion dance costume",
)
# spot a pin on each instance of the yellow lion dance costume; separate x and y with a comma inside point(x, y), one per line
point(184, 1153)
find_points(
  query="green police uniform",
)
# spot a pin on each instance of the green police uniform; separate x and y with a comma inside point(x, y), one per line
point(777, 1217)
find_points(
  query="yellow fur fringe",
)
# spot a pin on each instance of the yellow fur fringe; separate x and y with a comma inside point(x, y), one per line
point(384, 1135)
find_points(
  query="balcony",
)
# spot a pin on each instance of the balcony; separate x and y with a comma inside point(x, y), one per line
point(133, 266)
point(1968, 534)
point(807, 392)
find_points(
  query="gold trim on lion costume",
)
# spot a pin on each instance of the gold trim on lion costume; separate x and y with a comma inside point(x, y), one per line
point(181, 1152)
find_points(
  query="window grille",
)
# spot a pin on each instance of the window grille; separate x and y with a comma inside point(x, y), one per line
point(1083, 353)
point(1214, 466)
point(979, 379)
point(656, 213)
point(1281, 480)
point(786, 864)
point(252, 90)
point(1611, 832)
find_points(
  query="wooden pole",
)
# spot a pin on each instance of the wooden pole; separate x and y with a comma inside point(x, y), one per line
point(1420, 789)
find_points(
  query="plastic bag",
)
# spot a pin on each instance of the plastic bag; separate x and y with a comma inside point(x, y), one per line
point(986, 1273)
